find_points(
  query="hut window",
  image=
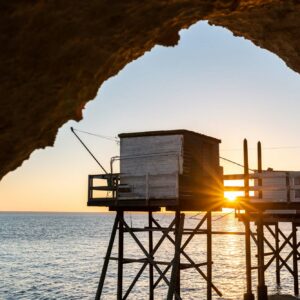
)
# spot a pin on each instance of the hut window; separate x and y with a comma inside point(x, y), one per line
point(297, 180)
point(297, 193)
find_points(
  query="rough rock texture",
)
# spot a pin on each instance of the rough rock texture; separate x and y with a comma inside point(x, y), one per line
point(56, 54)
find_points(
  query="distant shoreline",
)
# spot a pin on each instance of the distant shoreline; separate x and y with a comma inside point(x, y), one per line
point(96, 212)
point(54, 212)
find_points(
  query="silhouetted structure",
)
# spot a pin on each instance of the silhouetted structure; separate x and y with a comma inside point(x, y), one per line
point(180, 170)
point(176, 169)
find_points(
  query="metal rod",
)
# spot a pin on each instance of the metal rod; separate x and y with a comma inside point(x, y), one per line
point(120, 254)
point(106, 260)
point(88, 150)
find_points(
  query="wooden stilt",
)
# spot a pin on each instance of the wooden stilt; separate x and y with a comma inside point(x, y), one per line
point(187, 257)
point(148, 257)
point(209, 256)
point(173, 289)
point(120, 214)
point(151, 283)
point(106, 260)
point(277, 260)
point(295, 260)
point(177, 228)
point(262, 293)
point(151, 256)
point(248, 295)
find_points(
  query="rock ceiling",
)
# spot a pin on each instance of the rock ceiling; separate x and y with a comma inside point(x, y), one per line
point(56, 54)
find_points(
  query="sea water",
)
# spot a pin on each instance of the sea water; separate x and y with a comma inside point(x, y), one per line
point(60, 255)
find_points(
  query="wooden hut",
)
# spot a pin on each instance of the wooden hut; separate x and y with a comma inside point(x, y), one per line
point(177, 169)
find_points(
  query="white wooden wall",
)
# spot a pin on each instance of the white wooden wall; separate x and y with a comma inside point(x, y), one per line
point(275, 180)
point(151, 165)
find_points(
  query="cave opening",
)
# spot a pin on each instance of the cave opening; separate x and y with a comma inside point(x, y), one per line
point(212, 82)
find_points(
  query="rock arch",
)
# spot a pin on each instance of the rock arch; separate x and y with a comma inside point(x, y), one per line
point(56, 54)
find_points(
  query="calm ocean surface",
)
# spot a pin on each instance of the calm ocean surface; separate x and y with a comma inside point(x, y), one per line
point(59, 256)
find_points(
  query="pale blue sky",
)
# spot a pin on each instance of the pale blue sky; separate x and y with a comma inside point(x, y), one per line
point(212, 82)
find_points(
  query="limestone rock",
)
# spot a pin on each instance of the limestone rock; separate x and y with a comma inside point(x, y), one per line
point(56, 54)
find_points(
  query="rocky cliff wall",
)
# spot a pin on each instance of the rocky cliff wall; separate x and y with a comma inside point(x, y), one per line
point(54, 55)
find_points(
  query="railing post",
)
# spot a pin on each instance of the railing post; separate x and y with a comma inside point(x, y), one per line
point(248, 295)
point(259, 168)
point(288, 188)
point(90, 184)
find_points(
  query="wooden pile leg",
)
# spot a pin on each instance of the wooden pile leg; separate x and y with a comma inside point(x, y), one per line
point(209, 256)
point(248, 295)
point(262, 292)
point(175, 265)
point(174, 287)
point(277, 242)
point(151, 278)
point(121, 255)
point(279, 252)
point(107, 258)
point(295, 259)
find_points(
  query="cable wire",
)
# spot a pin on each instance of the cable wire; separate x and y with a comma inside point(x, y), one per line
point(223, 216)
point(235, 163)
point(109, 138)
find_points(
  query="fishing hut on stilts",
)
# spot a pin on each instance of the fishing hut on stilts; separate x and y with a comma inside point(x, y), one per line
point(273, 198)
point(180, 171)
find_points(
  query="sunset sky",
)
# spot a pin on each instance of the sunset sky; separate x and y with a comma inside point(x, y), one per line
point(212, 83)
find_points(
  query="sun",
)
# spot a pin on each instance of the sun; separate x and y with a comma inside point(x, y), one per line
point(230, 196)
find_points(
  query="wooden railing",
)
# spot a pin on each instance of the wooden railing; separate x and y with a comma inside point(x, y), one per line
point(111, 184)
